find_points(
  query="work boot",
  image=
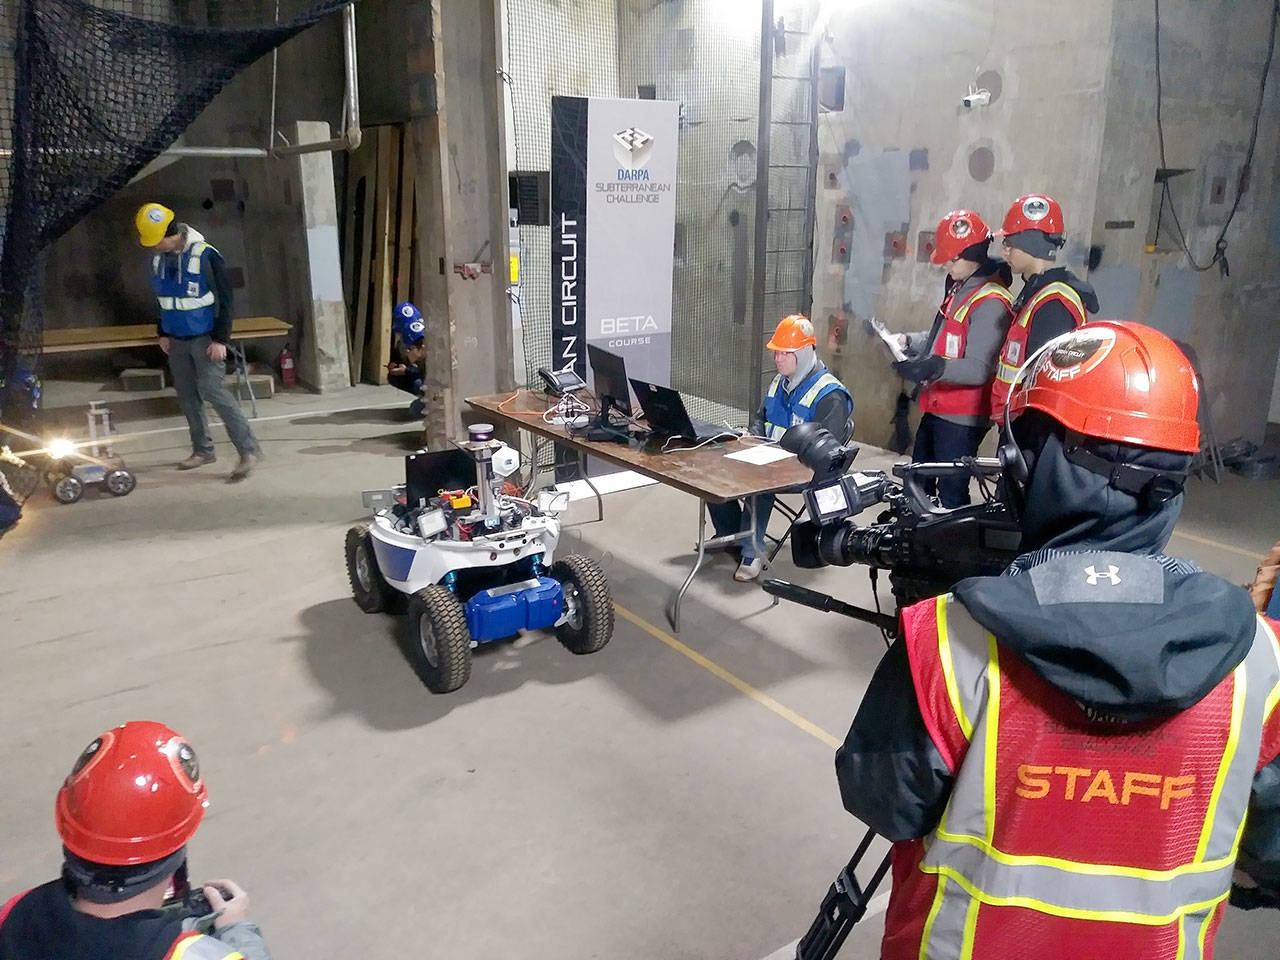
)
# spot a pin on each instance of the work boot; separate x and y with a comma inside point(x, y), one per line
point(244, 467)
point(195, 460)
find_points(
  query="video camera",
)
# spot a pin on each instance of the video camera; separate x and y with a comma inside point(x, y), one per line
point(926, 550)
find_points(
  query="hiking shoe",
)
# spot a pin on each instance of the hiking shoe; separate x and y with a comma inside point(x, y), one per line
point(244, 467)
point(195, 460)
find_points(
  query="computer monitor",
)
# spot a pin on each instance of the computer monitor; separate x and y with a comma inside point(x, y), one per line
point(611, 379)
point(429, 472)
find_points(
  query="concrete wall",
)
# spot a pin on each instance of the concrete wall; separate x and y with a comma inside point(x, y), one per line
point(1210, 68)
point(1072, 115)
point(904, 151)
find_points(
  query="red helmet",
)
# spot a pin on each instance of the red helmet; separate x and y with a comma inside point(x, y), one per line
point(134, 796)
point(794, 332)
point(956, 231)
point(1117, 381)
point(1035, 211)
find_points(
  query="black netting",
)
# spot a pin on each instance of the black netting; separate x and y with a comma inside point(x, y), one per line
point(92, 93)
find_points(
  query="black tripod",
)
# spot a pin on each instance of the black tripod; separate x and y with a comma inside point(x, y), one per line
point(843, 906)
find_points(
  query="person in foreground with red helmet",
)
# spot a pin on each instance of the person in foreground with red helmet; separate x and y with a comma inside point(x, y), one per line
point(1066, 754)
point(125, 813)
point(955, 360)
point(1052, 301)
point(804, 390)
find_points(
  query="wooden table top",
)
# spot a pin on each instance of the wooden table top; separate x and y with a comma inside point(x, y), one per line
point(115, 335)
point(704, 472)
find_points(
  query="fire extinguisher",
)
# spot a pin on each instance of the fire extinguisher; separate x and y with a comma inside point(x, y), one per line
point(286, 368)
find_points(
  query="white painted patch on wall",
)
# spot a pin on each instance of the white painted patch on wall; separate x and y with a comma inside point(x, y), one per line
point(326, 270)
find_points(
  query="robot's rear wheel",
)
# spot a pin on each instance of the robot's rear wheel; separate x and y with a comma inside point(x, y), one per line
point(439, 642)
point(586, 602)
point(120, 482)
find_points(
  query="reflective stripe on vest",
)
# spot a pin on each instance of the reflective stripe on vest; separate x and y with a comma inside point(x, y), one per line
point(1013, 353)
point(977, 879)
point(186, 303)
point(197, 946)
point(940, 397)
point(783, 410)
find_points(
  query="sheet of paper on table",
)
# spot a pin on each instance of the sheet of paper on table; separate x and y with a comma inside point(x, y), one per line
point(760, 454)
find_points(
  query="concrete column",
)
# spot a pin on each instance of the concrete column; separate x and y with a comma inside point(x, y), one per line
point(432, 287)
point(322, 340)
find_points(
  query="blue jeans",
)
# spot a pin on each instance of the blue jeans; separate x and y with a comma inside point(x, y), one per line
point(730, 518)
point(198, 380)
point(939, 440)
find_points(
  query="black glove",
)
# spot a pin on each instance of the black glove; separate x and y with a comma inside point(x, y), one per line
point(921, 369)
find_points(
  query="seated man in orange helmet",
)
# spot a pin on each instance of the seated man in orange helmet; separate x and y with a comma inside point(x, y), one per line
point(125, 813)
point(804, 390)
point(1066, 754)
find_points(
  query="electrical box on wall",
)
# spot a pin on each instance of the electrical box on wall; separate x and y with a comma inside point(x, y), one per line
point(1222, 172)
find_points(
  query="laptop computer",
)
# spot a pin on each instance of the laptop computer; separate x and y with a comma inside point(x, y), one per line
point(667, 415)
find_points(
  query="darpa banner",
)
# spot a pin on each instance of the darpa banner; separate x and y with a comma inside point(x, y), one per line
point(613, 217)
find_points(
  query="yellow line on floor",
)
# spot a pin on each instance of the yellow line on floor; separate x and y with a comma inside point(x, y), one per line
point(1251, 554)
point(786, 713)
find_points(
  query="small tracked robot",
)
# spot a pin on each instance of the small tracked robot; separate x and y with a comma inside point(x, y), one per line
point(471, 561)
point(72, 467)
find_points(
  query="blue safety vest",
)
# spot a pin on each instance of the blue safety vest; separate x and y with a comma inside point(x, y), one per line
point(783, 409)
point(187, 304)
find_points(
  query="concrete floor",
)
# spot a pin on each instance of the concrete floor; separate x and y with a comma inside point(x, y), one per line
point(665, 798)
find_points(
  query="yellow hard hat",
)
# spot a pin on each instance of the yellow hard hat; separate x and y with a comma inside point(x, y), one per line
point(152, 221)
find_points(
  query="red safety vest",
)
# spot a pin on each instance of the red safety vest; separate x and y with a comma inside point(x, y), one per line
point(956, 399)
point(1117, 840)
point(1014, 352)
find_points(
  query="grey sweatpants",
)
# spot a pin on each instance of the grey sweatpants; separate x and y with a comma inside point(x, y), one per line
point(197, 379)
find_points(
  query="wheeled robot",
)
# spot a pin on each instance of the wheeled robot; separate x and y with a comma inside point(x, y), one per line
point(70, 470)
point(470, 560)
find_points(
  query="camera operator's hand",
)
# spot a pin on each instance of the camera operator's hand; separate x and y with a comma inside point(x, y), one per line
point(229, 897)
point(921, 369)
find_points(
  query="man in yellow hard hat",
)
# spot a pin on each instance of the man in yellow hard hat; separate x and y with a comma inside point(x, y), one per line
point(189, 278)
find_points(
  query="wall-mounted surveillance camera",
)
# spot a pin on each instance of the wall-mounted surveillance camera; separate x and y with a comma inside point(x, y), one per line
point(976, 97)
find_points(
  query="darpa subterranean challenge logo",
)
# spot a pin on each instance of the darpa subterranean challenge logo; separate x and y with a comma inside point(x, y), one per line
point(632, 148)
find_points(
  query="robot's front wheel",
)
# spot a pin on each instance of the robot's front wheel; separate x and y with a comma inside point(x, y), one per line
point(120, 482)
point(372, 593)
point(587, 604)
point(67, 490)
point(439, 642)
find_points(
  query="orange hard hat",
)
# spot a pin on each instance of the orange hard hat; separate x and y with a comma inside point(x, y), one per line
point(1034, 211)
point(957, 231)
point(794, 332)
point(134, 796)
point(1117, 381)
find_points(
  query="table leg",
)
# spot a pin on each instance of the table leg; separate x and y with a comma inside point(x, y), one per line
point(582, 468)
point(242, 377)
point(673, 615)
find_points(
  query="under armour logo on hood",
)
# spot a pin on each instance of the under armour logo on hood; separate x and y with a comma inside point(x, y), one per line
point(1112, 575)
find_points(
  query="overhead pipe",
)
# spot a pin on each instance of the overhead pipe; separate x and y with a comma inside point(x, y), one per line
point(350, 140)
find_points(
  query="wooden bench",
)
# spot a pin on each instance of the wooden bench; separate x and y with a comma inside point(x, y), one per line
point(117, 336)
point(77, 339)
